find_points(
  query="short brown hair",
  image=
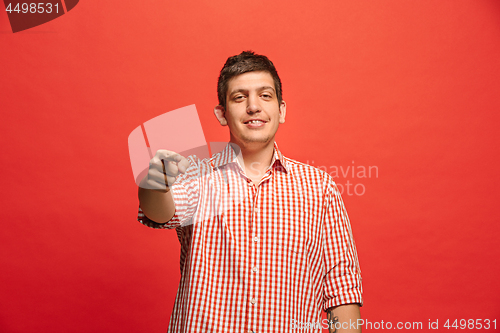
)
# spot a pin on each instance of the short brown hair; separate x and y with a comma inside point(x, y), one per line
point(246, 61)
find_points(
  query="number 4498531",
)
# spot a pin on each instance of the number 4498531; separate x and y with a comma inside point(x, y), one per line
point(471, 324)
point(33, 8)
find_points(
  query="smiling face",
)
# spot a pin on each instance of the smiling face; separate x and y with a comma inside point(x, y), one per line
point(252, 111)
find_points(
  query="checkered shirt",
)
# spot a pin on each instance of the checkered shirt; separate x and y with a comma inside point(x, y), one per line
point(265, 258)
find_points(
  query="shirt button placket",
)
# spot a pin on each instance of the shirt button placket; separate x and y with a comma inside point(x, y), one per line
point(254, 252)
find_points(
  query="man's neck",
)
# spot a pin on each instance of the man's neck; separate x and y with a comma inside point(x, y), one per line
point(256, 160)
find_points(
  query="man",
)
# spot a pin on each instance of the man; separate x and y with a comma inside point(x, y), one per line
point(266, 243)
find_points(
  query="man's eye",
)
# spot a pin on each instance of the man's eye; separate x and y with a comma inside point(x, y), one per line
point(238, 98)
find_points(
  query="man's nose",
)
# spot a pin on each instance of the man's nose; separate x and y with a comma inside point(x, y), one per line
point(253, 104)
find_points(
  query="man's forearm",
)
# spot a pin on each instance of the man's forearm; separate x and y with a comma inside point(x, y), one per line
point(343, 318)
point(157, 205)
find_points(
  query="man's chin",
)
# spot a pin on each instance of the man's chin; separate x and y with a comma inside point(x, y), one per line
point(256, 142)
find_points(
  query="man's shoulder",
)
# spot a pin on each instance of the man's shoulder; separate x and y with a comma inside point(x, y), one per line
point(307, 171)
point(301, 166)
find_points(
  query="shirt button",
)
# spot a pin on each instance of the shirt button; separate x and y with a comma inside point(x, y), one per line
point(256, 209)
point(254, 269)
point(256, 239)
point(253, 301)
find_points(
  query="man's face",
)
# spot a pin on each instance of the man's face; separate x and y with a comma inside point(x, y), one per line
point(252, 112)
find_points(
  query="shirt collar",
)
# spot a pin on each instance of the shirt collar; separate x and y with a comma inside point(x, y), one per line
point(231, 151)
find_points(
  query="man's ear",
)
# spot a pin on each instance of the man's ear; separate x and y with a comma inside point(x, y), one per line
point(282, 112)
point(220, 114)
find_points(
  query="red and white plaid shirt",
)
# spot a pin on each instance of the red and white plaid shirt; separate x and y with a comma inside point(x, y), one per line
point(266, 258)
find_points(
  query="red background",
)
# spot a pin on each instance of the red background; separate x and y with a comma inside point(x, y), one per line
point(409, 87)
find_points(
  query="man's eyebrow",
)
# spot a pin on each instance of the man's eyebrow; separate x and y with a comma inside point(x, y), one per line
point(237, 91)
point(245, 90)
point(266, 88)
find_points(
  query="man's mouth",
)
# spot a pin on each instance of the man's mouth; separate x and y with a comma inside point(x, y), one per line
point(255, 121)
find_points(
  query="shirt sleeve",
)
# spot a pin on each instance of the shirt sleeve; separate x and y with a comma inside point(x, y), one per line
point(185, 192)
point(342, 280)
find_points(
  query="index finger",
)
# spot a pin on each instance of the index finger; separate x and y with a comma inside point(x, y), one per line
point(167, 155)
